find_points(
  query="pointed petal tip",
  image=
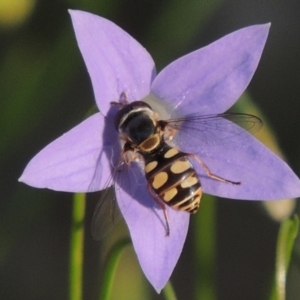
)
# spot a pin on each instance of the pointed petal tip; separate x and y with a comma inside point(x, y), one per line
point(23, 177)
point(72, 12)
point(264, 28)
point(70, 163)
point(75, 13)
point(156, 253)
point(123, 65)
point(261, 29)
point(224, 68)
point(26, 179)
point(81, 15)
point(267, 26)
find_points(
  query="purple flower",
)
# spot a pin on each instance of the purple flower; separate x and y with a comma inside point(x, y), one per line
point(208, 81)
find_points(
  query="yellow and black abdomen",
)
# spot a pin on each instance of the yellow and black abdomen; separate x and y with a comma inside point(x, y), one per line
point(173, 178)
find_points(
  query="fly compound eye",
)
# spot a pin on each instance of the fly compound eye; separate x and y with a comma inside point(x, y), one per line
point(126, 110)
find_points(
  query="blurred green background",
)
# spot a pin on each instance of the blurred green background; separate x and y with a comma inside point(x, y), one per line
point(45, 90)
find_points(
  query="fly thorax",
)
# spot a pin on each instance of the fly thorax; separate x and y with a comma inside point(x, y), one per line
point(138, 127)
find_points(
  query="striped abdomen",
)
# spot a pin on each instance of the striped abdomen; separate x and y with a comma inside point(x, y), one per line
point(173, 178)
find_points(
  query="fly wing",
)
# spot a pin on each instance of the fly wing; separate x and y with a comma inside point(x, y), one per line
point(214, 129)
point(123, 182)
point(106, 215)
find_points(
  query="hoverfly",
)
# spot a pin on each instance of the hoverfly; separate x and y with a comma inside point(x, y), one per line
point(170, 175)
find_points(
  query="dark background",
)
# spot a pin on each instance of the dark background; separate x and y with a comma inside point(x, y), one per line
point(45, 90)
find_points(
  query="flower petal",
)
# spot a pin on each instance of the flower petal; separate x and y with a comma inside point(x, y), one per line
point(157, 253)
point(215, 76)
point(71, 162)
point(116, 62)
point(263, 175)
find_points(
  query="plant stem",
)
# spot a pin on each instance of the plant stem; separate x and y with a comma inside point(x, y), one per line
point(111, 267)
point(76, 247)
point(169, 292)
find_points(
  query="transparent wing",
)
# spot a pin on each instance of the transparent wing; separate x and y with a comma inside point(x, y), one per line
point(106, 215)
point(124, 180)
point(215, 129)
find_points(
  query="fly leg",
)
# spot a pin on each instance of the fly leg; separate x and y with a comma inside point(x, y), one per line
point(122, 101)
point(209, 173)
point(162, 205)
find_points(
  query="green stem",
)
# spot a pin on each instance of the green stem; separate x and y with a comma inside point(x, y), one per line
point(205, 245)
point(285, 242)
point(76, 247)
point(111, 268)
point(169, 292)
